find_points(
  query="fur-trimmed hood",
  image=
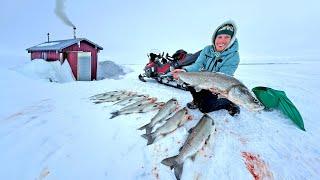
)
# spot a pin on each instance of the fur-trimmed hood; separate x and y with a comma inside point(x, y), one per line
point(233, 38)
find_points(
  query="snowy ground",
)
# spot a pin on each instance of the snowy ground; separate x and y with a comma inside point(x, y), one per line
point(52, 130)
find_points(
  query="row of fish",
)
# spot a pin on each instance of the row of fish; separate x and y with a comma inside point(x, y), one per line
point(132, 102)
point(171, 118)
point(197, 137)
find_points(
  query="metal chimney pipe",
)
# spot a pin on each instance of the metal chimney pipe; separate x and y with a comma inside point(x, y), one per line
point(74, 32)
point(48, 37)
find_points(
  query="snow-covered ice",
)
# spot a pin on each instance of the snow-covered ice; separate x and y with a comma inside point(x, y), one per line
point(53, 131)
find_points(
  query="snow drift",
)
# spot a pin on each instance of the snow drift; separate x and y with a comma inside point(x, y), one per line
point(111, 70)
point(53, 71)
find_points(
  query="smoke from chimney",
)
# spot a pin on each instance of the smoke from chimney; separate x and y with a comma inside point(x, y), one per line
point(60, 12)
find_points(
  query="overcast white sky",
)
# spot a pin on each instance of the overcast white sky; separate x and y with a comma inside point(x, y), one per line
point(128, 30)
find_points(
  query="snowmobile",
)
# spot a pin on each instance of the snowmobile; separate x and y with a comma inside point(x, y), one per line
point(159, 67)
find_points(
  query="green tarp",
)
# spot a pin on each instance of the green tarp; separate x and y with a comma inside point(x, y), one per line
point(276, 99)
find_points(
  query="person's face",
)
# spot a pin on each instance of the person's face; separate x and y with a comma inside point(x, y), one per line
point(222, 41)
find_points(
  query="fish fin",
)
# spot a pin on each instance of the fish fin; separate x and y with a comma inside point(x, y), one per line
point(149, 130)
point(207, 140)
point(144, 136)
point(114, 114)
point(173, 164)
point(178, 171)
point(144, 127)
point(151, 138)
point(197, 89)
point(193, 157)
point(163, 120)
point(171, 161)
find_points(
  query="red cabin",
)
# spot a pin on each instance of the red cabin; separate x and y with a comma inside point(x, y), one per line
point(81, 54)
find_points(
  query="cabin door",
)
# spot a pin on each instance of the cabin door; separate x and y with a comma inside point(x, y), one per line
point(84, 66)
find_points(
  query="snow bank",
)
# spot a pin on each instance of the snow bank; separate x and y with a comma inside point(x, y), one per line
point(111, 70)
point(46, 128)
point(40, 69)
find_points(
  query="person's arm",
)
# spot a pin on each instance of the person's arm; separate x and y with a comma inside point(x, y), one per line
point(198, 64)
point(231, 65)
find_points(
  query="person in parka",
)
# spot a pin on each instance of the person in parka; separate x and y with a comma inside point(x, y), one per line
point(222, 56)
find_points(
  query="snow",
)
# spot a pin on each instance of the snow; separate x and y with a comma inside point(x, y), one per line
point(53, 131)
point(48, 44)
point(111, 70)
point(52, 71)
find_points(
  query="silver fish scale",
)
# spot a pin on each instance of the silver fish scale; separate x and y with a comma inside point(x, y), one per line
point(172, 123)
point(196, 138)
point(140, 102)
point(164, 112)
point(206, 80)
point(108, 95)
point(130, 99)
point(227, 86)
point(143, 108)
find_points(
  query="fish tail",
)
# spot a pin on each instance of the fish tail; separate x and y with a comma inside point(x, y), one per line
point(171, 161)
point(151, 138)
point(149, 130)
point(115, 114)
point(178, 171)
point(144, 136)
point(173, 164)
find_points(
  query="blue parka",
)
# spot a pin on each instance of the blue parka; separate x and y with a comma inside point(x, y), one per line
point(210, 60)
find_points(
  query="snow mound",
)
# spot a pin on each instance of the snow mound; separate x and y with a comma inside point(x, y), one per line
point(111, 70)
point(53, 71)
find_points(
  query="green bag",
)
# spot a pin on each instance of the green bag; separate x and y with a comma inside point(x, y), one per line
point(276, 99)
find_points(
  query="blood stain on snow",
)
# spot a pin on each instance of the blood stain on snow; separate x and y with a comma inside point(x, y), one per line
point(256, 166)
point(243, 140)
point(43, 106)
point(155, 173)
